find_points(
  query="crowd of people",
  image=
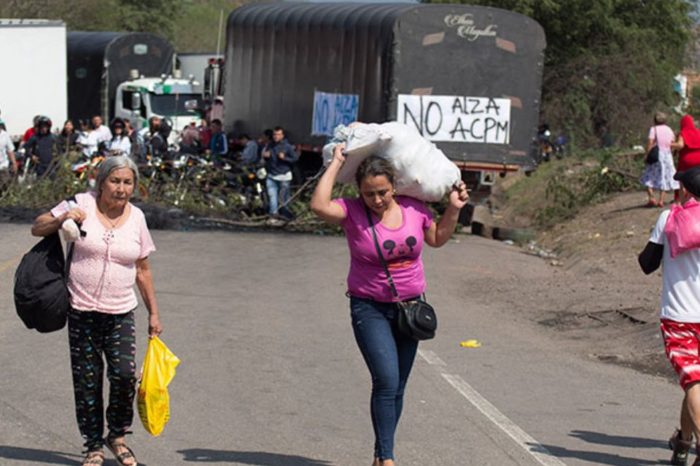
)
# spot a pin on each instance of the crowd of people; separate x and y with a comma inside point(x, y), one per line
point(41, 146)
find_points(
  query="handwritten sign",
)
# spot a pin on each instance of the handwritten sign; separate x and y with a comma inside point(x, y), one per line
point(457, 118)
point(331, 110)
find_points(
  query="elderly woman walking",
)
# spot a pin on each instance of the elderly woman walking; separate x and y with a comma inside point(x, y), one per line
point(106, 263)
point(402, 226)
point(658, 176)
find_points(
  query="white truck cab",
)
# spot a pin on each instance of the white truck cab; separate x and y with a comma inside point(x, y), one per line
point(170, 98)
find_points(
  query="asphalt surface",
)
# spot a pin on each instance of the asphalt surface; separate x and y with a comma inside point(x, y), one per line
point(270, 373)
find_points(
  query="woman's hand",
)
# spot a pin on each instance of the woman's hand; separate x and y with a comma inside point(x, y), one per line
point(46, 224)
point(338, 155)
point(154, 327)
point(459, 196)
point(77, 214)
point(321, 202)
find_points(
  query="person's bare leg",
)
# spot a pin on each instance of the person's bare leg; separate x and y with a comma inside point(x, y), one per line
point(686, 421)
point(692, 396)
point(650, 194)
point(661, 197)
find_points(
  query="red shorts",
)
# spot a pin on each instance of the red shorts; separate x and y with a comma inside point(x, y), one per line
point(682, 343)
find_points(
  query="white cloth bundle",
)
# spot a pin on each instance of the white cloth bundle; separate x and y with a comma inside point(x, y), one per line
point(422, 170)
point(71, 231)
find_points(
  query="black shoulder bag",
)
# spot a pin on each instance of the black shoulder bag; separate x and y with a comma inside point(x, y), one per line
point(416, 318)
point(41, 297)
point(41, 294)
point(653, 154)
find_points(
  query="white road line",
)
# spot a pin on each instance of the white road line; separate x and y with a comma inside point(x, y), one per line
point(431, 358)
point(529, 444)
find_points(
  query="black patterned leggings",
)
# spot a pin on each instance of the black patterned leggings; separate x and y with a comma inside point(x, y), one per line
point(92, 335)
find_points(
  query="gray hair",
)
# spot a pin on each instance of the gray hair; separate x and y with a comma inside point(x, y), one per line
point(111, 163)
point(660, 118)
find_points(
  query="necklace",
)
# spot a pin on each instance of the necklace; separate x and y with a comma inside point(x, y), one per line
point(113, 223)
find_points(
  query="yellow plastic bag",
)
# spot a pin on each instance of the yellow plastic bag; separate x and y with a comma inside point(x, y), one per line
point(153, 401)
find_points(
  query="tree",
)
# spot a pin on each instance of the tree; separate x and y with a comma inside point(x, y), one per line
point(155, 16)
point(608, 62)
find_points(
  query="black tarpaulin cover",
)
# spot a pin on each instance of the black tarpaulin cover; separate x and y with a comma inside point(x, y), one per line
point(102, 60)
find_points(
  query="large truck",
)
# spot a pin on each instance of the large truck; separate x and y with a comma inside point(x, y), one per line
point(128, 75)
point(33, 53)
point(467, 77)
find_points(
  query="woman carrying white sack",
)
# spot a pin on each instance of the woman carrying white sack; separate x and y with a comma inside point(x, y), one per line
point(402, 225)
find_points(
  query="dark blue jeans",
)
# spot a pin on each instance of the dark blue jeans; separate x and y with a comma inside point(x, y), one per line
point(389, 357)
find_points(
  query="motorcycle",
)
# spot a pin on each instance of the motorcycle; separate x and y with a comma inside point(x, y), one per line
point(86, 168)
point(254, 189)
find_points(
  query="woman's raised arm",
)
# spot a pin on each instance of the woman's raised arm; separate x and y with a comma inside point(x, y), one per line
point(321, 202)
point(438, 234)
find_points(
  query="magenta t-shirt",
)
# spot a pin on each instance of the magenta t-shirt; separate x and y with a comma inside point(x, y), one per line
point(401, 248)
point(103, 268)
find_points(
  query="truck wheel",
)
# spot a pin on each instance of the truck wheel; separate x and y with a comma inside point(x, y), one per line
point(465, 215)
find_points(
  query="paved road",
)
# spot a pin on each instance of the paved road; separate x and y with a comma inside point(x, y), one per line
point(270, 374)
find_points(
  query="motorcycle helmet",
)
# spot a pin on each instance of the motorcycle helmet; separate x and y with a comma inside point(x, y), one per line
point(44, 121)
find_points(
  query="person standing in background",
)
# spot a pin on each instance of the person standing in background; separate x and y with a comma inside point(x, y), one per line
point(102, 133)
point(279, 156)
point(8, 163)
point(658, 176)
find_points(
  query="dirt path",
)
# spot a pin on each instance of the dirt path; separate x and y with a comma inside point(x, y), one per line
point(598, 300)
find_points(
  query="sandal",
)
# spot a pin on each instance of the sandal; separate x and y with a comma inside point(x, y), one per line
point(122, 453)
point(680, 448)
point(94, 458)
point(651, 203)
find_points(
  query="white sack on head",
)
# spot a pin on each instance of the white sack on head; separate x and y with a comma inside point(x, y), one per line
point(361, 140)
point(422, 170)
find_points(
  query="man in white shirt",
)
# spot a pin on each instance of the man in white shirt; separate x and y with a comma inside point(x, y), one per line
point(680, 309)
point(102, 133)
point(8, 163)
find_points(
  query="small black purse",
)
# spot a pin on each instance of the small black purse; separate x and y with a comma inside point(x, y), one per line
point(416, 318)
point(653, 154)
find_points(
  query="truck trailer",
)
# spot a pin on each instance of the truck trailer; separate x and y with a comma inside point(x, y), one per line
point(127, 75)
point(205, 69)
point(34, 76)
point(467, 77)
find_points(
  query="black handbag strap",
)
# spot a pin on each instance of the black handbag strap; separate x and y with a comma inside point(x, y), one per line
point(381, 256)
point(71, 244)
point(69, 259)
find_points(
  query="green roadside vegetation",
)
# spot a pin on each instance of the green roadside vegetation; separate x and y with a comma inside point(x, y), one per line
point(558, 190)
